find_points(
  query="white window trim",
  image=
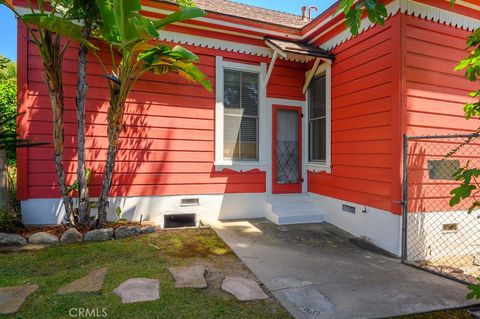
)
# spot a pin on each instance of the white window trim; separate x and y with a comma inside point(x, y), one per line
point(318, 166)
point(241, 166)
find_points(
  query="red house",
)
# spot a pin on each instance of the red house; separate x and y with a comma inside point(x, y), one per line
point(304, 123)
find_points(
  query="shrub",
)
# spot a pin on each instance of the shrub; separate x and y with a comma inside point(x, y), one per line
point(10, 221)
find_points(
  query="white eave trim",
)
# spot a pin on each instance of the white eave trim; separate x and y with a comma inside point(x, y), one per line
point(409, 7)
point(435, 14)
point(224, 45)
point(211, 43)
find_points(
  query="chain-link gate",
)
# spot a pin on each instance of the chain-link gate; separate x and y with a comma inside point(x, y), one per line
point(437, 237)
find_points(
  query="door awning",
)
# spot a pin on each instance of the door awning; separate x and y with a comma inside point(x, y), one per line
point(290, 49)
point(285, 48)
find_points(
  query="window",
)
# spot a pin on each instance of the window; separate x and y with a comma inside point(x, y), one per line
point(317, 119)
point(240, 116)
point(241, 96)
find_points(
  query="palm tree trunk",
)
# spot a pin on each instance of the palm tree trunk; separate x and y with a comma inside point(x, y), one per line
point(115, 118)
point(83, 193)
point(53, 78)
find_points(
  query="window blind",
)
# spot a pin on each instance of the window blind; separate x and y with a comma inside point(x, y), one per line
point(317, 119)
point(240, 115)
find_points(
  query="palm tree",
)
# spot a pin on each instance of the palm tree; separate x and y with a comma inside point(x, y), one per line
point(51, 49)
point(86, 13)
point(130, 38)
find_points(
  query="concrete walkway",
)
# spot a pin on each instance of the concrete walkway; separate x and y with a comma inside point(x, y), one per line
point(316, 272)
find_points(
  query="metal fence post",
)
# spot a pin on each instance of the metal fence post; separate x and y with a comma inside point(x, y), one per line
point(404, 197)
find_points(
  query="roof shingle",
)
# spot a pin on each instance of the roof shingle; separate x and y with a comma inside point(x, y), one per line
point(254, 13)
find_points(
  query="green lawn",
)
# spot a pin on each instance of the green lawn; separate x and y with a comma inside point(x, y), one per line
point(448, 314)
point(143, 256)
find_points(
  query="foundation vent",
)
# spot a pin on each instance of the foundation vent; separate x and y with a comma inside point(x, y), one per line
point(179, 220)
point(450, 228)
point(190, 202)
point(348, 209)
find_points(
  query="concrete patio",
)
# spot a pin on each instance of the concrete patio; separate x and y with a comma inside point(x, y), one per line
point(318, 271)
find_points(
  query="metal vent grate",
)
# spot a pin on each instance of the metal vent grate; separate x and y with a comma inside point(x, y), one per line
point(348, 209)
point(450, 228)
point(190, 202)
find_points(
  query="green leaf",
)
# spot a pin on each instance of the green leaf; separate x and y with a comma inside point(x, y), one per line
point(123, 11)
point(58, 25)
point(189, 71)
point(109, 27)
point(181, 53)
point(474, 291)
point(345, 5)
point(185, 13)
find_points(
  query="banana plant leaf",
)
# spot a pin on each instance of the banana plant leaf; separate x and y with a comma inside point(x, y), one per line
point(58, 25)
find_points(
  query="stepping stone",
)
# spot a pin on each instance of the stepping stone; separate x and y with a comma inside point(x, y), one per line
point(93, 282)
point(138, 290)
point(243, 289)
point(43, 238)
point(189, 277)
point(12, 298)
point(71, 236)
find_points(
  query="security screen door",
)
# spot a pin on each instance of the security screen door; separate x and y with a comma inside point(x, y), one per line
point(286, 148)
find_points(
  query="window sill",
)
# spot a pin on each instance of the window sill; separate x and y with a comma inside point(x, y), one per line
point(318, 167)
point(239, 166)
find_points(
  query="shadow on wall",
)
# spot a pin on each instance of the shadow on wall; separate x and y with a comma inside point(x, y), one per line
point(416, 230)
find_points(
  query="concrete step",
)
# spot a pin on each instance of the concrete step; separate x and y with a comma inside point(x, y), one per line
point(292, 209)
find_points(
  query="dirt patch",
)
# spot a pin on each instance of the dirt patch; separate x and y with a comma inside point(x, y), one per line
point(192, 243)
point(463, 268)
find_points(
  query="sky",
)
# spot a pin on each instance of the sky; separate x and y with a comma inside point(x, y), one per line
point(8, 30)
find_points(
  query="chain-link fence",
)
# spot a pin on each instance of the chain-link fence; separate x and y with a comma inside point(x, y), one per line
point(438, 237)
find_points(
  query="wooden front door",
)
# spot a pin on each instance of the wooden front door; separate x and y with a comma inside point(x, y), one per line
point(286, 149)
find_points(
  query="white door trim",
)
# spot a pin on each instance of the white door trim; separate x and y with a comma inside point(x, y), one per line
point(286, 102)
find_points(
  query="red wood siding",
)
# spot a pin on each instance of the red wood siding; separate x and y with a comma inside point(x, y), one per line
point(435, 93)
point(435, 96)
point(167, 146)
point(365, 106)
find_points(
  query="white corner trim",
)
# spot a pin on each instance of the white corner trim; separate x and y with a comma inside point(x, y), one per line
point(312, 166)
point(220, 162)
point(409, 7)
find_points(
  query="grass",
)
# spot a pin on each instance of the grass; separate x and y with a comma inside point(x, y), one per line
point(143, 256)
point(447, 314)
